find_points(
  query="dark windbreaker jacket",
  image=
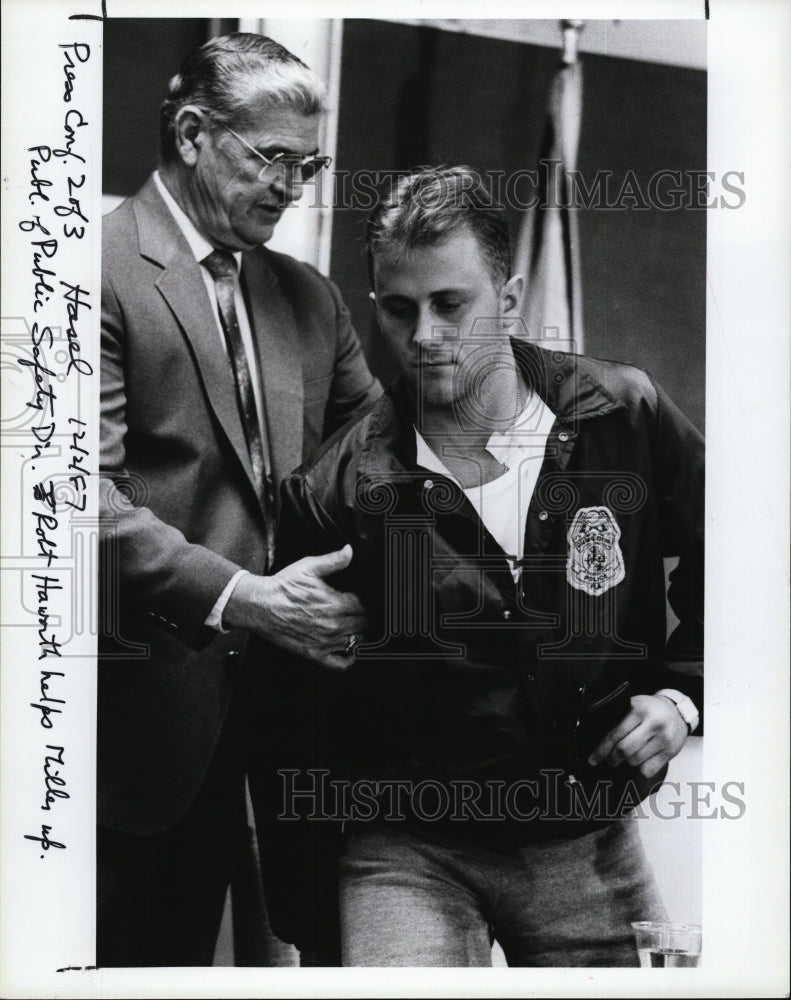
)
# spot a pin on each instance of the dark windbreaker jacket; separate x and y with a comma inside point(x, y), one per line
point(466, 678)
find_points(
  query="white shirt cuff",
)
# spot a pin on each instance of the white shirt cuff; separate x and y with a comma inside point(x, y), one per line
point(685, 705)
point(214, 619)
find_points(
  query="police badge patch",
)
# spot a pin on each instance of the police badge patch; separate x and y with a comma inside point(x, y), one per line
point(595, 560)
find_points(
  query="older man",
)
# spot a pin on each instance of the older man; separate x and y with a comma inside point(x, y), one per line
point(515, 696)
point(224, 365)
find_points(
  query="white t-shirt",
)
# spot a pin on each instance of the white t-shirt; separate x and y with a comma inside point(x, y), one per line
point(502, 503)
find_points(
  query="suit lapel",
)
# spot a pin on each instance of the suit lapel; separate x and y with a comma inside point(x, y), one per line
point(181, 284)
point(279, 361)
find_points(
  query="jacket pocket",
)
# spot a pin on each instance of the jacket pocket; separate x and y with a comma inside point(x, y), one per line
point(316, 390)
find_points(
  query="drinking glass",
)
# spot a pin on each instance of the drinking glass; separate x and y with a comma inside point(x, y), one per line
point(667, 946)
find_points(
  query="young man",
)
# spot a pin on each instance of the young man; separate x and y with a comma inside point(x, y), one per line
point(514, 696)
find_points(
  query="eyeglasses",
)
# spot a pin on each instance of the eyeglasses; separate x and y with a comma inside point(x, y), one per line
point(294, 168)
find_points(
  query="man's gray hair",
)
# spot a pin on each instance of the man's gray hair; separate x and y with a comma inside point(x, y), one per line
point(234, 77)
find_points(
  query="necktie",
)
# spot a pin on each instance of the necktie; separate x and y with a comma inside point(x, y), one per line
point(222, 267)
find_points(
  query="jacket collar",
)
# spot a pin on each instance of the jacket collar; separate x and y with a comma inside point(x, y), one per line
point(279, 362)
point(160, 238)
point(565, 382)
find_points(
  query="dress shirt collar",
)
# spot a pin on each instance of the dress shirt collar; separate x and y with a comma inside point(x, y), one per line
point(198, 244)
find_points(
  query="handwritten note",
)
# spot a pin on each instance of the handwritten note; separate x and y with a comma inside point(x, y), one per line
point(60, 300)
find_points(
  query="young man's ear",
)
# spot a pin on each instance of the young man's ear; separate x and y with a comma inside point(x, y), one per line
point(190, 129)
point(511, 299)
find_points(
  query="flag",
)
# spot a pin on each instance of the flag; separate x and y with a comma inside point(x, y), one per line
point(548, 251)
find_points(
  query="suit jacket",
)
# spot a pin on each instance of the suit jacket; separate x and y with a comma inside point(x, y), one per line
point(179, 512)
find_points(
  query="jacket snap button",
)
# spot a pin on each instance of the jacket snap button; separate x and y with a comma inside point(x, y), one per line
point(428, 484)
point(506, 615)
point(563, 436)
point(543, 516)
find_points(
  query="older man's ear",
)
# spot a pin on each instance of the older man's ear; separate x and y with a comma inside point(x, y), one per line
point(189, 128)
